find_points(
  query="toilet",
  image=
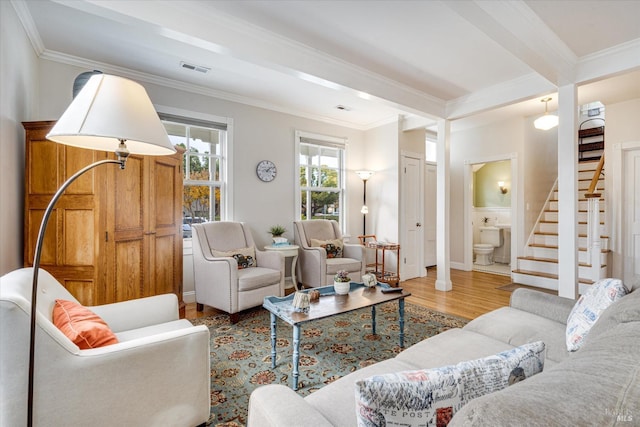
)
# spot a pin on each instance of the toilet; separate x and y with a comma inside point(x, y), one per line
point(490, 238)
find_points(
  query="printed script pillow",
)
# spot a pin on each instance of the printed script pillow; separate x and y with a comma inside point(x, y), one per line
point(588, 308)
point(246, 257)
point(81, 325)
point(431, 396)
point(333, 247)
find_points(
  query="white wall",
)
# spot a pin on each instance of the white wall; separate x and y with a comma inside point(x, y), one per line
point(383, 190)
point(622, 126)
point(18, 89)
point(540, 170)
point(477, 145)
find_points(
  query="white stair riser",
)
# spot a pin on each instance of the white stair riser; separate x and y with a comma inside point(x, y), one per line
point(583, 205)
point(552, 227)
point(552, 268)
point(582, 216)
point(545, 283)
point(552, 253)
point(540, 282)
point(552, 240)
point(587, 174)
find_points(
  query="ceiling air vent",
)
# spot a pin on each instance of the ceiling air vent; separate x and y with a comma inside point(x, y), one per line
point(198, 68)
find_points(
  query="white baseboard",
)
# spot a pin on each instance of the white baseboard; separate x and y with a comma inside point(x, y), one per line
point(189, 296)
point(459, 266)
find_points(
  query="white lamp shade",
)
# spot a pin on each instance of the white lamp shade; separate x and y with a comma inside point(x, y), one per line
point(364, 175)
point(109, 109)
point(546, 122)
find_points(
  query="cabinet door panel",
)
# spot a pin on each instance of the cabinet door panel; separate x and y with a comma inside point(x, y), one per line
point(42, 171)
point(79, 237)
point(50, 242)
point(128, 195)
point(74, 160)
point(163, 280)
point(128, 269)
point(83, 290)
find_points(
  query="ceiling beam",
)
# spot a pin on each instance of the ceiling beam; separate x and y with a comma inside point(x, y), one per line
point(514, 26)
point(224, 34)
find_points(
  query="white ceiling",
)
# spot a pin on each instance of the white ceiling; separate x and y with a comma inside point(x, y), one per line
point(469, 61)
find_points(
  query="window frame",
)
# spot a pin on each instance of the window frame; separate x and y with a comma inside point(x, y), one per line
point(323, 141)
point(195, 119)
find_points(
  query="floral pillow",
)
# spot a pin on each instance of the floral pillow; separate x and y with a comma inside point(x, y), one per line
point(333, 247)
point(432, 396)
point(588, 308)
point(246, 257)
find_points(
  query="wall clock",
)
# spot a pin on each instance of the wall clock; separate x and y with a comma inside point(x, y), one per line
point(266, 171)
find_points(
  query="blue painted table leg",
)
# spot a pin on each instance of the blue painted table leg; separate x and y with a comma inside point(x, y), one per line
point(273, 341)
point(401, 313)
point(373, 319)
point(296, 355)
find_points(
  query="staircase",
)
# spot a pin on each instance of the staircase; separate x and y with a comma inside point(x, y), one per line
point(539, 266)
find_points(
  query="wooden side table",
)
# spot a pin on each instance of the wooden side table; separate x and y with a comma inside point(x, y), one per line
point(288, 251)
point(382, 273)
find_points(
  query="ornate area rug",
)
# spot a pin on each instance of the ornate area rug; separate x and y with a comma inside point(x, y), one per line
point(329, 349)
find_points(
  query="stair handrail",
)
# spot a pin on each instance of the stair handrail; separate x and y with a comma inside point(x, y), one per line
point(594, 181)
point(594, 239)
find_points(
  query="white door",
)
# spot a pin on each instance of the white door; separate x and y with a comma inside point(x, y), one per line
point(631, 215)
point(411, 247)
point(429, 225)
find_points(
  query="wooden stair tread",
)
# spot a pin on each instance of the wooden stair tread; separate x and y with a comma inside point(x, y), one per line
point(533, 258)
point(540, 245)
point(549, 233)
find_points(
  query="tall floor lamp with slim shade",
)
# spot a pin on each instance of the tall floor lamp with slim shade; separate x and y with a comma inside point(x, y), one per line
point(109, 114)
point(364, 175)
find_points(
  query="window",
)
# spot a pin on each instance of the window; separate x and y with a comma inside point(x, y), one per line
point(321, 177)
point(204, 165)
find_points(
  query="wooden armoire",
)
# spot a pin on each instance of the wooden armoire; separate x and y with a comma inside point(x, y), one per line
point(115, 234)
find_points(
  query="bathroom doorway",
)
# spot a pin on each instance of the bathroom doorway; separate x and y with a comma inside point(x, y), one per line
point(490, 214)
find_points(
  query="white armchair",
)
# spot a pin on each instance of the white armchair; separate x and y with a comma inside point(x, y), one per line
point(315, 266)
point(158, 374)
point(218, 281)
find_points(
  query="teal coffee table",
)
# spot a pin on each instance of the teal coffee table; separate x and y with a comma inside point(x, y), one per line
point(329, 305)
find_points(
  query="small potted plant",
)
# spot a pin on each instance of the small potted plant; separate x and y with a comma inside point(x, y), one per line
point(276, 232)
point(341, 282)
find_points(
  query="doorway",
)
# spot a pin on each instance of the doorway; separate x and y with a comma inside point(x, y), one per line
point(491, 195)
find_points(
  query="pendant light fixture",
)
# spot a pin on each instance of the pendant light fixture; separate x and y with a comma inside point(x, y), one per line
point(547, 121)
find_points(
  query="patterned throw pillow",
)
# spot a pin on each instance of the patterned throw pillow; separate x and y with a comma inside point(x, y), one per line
point(588, 308)
point(246, 257)
point(333, 247)
point(432, 396)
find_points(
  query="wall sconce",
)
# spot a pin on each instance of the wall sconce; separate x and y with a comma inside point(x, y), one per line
point(502, 188)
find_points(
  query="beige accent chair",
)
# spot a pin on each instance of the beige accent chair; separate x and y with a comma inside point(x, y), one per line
point(218, 281)
point(157, 374)
point(314, 268)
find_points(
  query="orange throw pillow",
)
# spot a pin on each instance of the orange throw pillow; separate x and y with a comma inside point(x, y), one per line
point(81, 325)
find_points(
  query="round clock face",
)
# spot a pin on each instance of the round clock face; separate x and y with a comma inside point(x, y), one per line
point(266, 171)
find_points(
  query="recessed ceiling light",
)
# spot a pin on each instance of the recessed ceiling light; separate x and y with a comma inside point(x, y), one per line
point(198, 68)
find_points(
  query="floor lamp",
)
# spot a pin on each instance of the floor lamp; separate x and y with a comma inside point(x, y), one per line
point(364, 175)
point(109, 114)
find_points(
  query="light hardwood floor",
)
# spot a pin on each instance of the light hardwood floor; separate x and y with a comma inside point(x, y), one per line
point(473, 294)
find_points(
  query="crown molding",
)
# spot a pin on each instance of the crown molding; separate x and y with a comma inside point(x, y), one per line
point(200, 90)
point(615, 60)
point(20, 6)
